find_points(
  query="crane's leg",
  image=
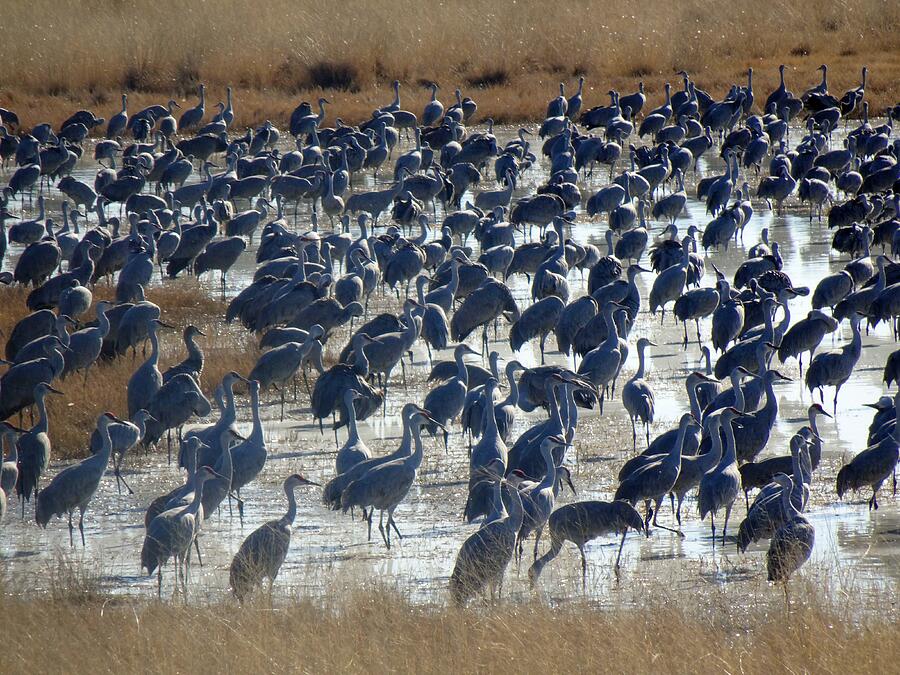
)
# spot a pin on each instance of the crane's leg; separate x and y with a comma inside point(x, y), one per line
point(712, 524)
point(685, 341)
point(197, 548)
point(584, 568)
point(159, 582)
point(697, 321)
point(619, 555)
point(385, 537)
point(633, 434)
point(650, 513)
point(71, 528)
point(725, 526)
point(81, 526)
point(281, 389)
point(393, 523)
point(537, 538)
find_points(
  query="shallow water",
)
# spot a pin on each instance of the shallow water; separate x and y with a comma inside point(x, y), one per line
point(853, 546)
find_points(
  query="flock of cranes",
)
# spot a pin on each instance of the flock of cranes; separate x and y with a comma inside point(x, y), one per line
point(310, 286)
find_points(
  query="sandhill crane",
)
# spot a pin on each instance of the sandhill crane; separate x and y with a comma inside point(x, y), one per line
point(75, 486)
point(581, 522)
point(638, 396)
point(835, 368)
point(331, 385)
point(193, 363)
point(720, 487)
point(872, 466)
point(85, 345)
point(192, 117)
point(538, 320)
point(383, 487)
point(411, 415)
point(793, 542)
point(669, 285)
point(538, 499)
point(263, 552)
point(123, 435)
point(33, 448)
point(653, 481)
point(805, 336)
point(484, 556)
point(146, 380)
point(171, 534)
point(446, 400)
point(354, 450)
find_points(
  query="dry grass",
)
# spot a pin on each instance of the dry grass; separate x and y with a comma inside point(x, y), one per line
point(60, 55)
point(74, 415)
point(377, 630)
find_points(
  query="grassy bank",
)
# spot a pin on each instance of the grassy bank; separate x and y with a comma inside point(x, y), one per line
point(74, 415)
point(508, 55)
point(377, 630)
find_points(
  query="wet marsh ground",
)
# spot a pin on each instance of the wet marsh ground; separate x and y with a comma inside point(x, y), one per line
point(852, 578)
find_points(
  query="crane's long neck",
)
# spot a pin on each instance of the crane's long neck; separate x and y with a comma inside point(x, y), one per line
point(43, 421)
point(406, 441)
point(453, 286)
point(514, 509)
point(197, 501)
point(154, 348)
point(513, 398)
point(771, 402)
point(714, 456)
point(783, 325)
point(612, 331)
point(102, 322)
point(571, 412)
point(106, 447)
point(855, 347)
point(256, 435)
point(360, 361)
point(351, 421)
point(314, 355)
point(640, 371)
point(675, 450)
point(812, 421)
point(462, 372)
point(692, 397)
point(291, 514)
point(415, 459)
point(739, 400)
point(230, 412)
point(488, 420)
point(729, 456)
point(548, 482)
point(555, 408)
point(194, 351)
point(787, 504)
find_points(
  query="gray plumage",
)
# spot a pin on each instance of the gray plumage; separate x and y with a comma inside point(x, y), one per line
point(484, 556)
point(171, 534)
point(582, 522)
point(720, 487)
point(262, 553)
point(75, 486)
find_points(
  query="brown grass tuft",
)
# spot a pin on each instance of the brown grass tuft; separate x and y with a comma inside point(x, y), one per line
point(379, 630)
